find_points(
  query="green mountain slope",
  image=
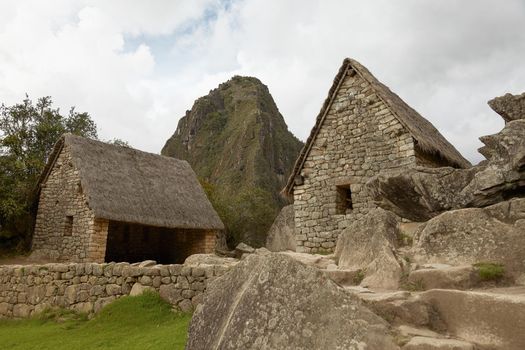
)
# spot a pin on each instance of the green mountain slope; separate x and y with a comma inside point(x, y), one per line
point(239, 145)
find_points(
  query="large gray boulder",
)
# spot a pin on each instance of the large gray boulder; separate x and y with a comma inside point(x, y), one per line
point(468, 236)
point(510, 107)
point(274, 302)
point(281, 236)
point(421, 193)
point(369, 244)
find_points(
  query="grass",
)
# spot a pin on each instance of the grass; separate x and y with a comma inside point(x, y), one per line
point(489, 271)
point(359, 277)
point(140, 322)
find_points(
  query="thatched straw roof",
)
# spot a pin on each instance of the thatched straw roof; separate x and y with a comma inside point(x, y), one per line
point(427, 137)
point(125, 184)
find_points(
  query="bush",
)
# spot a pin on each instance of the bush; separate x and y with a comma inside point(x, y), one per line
point(488, 271)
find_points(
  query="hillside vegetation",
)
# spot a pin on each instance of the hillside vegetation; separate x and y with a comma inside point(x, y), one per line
point(140, 322)
point(240, 147)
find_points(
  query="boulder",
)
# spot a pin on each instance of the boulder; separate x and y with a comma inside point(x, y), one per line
point(510, 107)
point(281, 235)
point(421, 193)
point(468, 236)
point(274, 302)
point(369, 244)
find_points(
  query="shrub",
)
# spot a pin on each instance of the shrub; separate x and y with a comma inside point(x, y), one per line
point(488, 271)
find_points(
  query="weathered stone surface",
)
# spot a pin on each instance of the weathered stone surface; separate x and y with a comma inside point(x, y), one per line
point(369, 244)
point(344, 277)
point(456, 277)
point(510, 107)
point(244, 248)
point(408, 331)
point(504, 175)
point(422, 193)
point(209, 259)
point(315, 260)
point(426, 343)
point(468, 236)
point(273, 302)
point(138, 289)
point(494, 321)
point(281, 235)
point(401, 308)
point(147, 263)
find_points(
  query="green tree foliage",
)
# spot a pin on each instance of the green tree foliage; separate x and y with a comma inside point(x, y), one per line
point(247, 215)
point(28, 132)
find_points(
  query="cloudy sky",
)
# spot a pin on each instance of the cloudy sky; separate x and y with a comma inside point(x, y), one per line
point(137, 66)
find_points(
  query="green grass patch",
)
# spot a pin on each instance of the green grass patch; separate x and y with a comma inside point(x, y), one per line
point(489, 271)
point(140, 322)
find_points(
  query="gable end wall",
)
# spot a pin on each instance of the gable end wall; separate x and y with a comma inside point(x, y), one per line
point(359, 137)
point(61, 196)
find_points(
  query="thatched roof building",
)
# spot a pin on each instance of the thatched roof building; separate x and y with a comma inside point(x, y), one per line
point(122, 185)
point(427, 138)
point(362, 129)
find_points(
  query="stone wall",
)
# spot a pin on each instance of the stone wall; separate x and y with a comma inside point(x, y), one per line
point(87, 287)
point(359, 137)
point(65, 228)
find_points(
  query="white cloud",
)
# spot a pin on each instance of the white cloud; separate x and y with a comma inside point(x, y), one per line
point(137, 66)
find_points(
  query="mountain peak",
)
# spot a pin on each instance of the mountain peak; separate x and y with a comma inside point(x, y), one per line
point(237, 141)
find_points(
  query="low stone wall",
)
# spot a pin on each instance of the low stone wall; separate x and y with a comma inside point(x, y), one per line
point(87, 287)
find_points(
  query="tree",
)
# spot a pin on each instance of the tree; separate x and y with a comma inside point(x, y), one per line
point(28, 133)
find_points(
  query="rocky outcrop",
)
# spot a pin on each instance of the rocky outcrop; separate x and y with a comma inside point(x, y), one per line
point(369, 244)
point(473, 235)
point(510, 107)
point(422, 193)
point(281, 235)
point(275, 302)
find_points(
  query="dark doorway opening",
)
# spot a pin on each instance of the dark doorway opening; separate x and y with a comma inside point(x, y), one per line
point(343, 199)
point(134, 243)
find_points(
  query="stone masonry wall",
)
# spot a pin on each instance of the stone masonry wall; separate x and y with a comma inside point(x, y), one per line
point(359, 137)
point(87, 287)
point(65, 228)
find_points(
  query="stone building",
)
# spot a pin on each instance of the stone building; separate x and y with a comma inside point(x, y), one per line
point(362, 128)
point(101, 202)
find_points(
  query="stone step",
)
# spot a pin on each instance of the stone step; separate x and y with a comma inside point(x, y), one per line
point(427, 343)
point(401, 308)
point(493, 320)
point(444, 277)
